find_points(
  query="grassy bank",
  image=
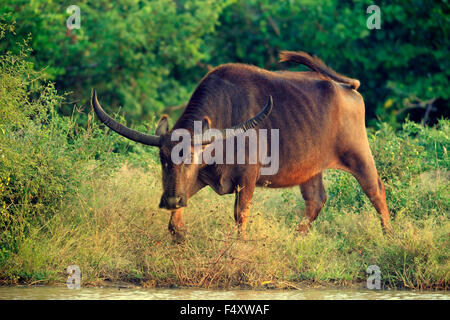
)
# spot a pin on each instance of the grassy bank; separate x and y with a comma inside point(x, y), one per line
point(111, 228)
point(73, 193)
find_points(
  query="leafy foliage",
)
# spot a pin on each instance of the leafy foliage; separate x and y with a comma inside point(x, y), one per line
point(129, 50)
point(148, 55)
point(43, 156)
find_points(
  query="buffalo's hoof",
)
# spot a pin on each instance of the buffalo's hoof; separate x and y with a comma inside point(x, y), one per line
point(241, 233)
point(178, 236)
point(387, 229)
point(303, 229)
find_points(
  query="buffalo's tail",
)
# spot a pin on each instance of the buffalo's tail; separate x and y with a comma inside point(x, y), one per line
point(317, 65)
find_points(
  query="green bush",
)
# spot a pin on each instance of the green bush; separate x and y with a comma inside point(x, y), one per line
point(43, 156)
point(412, 162)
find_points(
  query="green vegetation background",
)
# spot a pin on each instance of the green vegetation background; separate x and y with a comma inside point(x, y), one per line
point(71, 192)
point(147, 56)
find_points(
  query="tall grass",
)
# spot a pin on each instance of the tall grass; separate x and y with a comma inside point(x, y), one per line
point(72, 193)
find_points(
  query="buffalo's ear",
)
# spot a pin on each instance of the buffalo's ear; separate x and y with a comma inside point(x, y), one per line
point(206, 124)
point(163, 126)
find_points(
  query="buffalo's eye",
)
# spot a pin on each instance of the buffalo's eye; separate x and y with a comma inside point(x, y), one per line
point(166, 164)
point(164, 161)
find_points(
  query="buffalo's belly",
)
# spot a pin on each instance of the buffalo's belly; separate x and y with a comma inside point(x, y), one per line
point(292, 174)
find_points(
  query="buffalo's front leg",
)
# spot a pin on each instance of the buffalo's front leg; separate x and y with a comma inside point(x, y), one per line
point(242, 206)
point(313, 193)
point(176, 226)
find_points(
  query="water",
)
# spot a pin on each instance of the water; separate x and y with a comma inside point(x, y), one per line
point(54, 293)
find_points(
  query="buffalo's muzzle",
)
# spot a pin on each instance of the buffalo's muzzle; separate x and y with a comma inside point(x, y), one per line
point(171, 203)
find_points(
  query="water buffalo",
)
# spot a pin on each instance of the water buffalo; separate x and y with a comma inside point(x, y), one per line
point(320, 118)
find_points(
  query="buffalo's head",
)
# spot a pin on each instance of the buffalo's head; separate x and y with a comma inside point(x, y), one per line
point(179, 177)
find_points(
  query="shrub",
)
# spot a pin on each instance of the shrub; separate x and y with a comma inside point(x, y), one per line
point(43, 156)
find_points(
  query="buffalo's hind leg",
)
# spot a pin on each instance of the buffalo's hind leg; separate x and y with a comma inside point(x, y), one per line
point(362, 166)
point(313, 193)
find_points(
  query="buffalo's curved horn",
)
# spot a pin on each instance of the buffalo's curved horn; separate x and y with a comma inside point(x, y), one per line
point(243, 126)
point(131, 134)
